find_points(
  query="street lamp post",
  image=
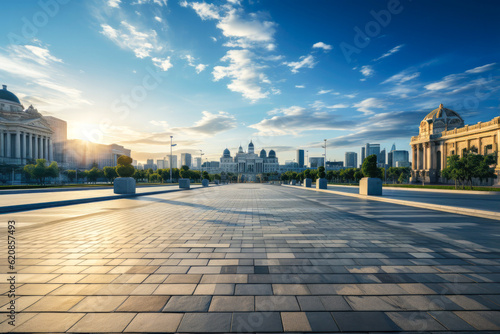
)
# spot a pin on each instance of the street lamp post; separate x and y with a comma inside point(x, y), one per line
point(325, 155)
point(201, 160)
point(171, 164)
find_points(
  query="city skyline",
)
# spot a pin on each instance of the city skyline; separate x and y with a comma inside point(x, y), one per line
point(305, 82)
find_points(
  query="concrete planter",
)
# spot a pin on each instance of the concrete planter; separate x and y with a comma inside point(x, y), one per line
point(124, 185)
point(205, 182)
point(294, 182)
point(307, 183)
point(184, 183)
point(321, 184)
point(216, 182)
point(371, 186)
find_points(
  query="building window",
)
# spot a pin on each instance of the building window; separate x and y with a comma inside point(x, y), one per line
point(488, 149)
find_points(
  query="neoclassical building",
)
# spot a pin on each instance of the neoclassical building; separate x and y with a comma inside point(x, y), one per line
point(443, 133)
point(249, 164)
point(24, 134)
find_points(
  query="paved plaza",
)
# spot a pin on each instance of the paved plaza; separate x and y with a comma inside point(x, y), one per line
point(252, 258)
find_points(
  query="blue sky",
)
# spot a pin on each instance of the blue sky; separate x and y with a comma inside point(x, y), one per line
point(286, 74)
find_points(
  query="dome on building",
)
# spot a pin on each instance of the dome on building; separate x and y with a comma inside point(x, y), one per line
point(263, 154)
point(240, 149)
point(250, 145)
point(8, 96)
point(272, 154)
point(226, 153)
point(443, 119)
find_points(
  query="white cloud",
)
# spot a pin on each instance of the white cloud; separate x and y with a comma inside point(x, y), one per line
point(402, 77)
point(324, 91)
point(296, 119)
point(338, 106)
point(213, 38)
point(300, 86)
point(247, 33)
point(351, 96)
point(245, 74)
point(304, 62)
point(34, 53)
point(200, 68)
point(129, 37)
point(366, 105)
point(367, 70)
point(163, 64)
point(481, 69)
point(160, 3)
point(444, 83)
point(114, 3)
point(159, 19)
point(205, 10)
point(390, 52)
point(210, 124)
point(321, 45)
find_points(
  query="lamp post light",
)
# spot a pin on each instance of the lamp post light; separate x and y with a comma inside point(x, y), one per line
point(171, 164)
point(201, 161)
point(325, 155)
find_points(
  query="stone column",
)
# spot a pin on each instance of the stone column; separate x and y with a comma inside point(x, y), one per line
point(30, 145)
point(35, 155)
point(40, 146)
point(51, 151)
point(18, 145)
point(2, 144)
point(9, 146)
point(413, 157)
point(46, 149)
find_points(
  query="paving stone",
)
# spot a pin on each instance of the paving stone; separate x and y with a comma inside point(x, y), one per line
point(290, 289)
point(155, 323)
point(451, 321)
point(232, 304)
point(53, 304)
point(415, 321)
point(364, 321)
point(188, 304)
point(253, 289)
point(295, 322)
point(205, 322)
point(98, 304)
point(276, 303)
point(175, 289)
point(481, 320)
point(256, 322)
point(143, 304)
point(102, 322)
point(49, 322)
point(321, 322)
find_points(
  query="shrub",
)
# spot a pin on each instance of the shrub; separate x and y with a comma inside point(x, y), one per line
point(321, 172)
point(124, 167)
point(369, 167)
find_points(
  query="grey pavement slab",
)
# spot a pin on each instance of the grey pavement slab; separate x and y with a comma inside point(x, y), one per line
point(253, 258)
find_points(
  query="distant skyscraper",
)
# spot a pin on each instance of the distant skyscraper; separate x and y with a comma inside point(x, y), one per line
point(160, 163)
point(186, 159)
point(300, 158)
point(173, 163)
point(150, 163)
point(197, 162)
point(363, 154)
point(381, 157)
point(371, 149)
point(393, 148)
point(351, 159)
point(315, 162)
point(398, 158)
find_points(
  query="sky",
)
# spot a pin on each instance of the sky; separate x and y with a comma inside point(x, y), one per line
point(284, 74)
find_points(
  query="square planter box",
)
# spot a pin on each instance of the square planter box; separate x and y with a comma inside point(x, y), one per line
point(307, 183)
point(321, 184)
point(184, 183)
point(370, 186)
point(205, 182)
point(294, 182)
point(124, 185)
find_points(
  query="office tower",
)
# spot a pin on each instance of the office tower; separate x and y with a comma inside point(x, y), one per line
point(186, 159)
point(300, 158)
point(363, 154)
point(351, 159)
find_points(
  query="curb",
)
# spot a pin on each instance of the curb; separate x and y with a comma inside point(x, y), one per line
point(451, 191)
point(45, 205)
point(445, 208)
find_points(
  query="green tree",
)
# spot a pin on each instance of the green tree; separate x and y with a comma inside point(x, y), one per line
point(321, 172)
point(307, 174)
point(39, 171)
point(369, 167)
point(93, 174)
point(205, 175)
point(110, 173)
point(70, 174)
point(358, 175)
point(52, 170)
point(28, 171)
point(155, 177)
point(124, 166)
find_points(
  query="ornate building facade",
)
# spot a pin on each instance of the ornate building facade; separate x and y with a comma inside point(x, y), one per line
point(443, 133)
point(249, 164)
point(24, 133)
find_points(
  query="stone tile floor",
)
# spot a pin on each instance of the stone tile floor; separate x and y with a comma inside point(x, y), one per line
point(254, 258)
